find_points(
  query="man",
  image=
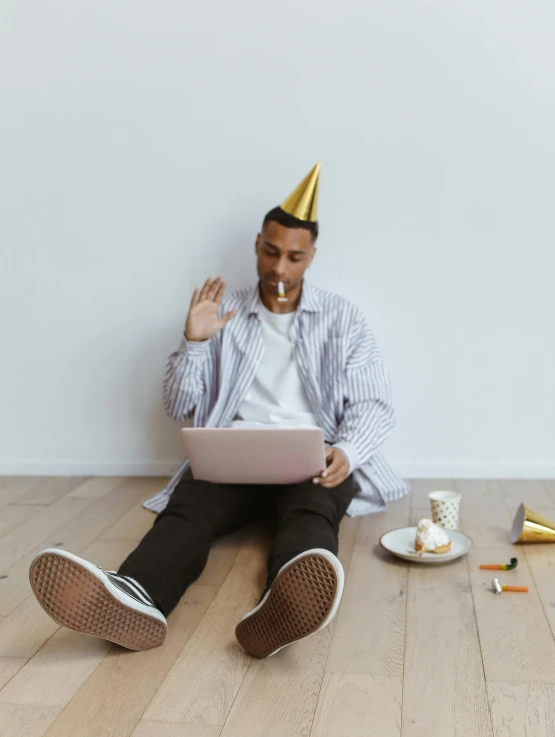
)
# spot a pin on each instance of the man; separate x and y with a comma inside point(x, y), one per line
point(252, 358)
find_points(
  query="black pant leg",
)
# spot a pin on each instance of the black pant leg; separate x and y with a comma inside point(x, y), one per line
point(174, 551)
point(308, 516)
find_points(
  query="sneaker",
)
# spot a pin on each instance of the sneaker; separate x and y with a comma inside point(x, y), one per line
point(303, 599)
point(83, 597)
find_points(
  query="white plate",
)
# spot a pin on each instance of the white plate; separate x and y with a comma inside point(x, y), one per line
point(401, 542)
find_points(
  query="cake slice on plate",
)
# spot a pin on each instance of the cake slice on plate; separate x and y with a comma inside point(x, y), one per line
point(431, 538)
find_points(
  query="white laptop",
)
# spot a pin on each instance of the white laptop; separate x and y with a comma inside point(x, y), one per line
point(280, 455)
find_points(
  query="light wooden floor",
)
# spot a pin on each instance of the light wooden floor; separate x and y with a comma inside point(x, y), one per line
point(415, 651)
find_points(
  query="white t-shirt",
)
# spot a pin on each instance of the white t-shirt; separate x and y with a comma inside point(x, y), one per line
point(277, 396)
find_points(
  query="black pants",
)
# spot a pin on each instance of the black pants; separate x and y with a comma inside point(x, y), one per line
point(174, 551)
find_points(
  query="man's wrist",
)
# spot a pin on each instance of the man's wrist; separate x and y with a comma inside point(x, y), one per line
point(193, 347)
point(350, 453)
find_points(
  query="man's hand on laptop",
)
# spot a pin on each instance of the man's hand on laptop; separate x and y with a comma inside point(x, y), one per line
point(203, 321)
point(337, 469)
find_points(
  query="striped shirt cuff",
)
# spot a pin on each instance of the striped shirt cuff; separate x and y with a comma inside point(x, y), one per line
point(193, 348)
point(351, 453)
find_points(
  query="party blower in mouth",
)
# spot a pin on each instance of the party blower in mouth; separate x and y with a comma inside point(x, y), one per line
point(281, 292)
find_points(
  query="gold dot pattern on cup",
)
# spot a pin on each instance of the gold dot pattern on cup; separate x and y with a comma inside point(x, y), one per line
point(445, 513)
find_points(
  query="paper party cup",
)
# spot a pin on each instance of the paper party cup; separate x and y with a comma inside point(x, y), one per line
point(445, 508)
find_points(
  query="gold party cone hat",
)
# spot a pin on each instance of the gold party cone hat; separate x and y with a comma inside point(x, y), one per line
point(302, 203)
point(531, 527)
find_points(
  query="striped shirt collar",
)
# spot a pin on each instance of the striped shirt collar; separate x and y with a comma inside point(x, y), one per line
point(309, 301)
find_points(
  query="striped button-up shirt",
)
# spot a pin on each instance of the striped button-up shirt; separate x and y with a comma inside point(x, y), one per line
point(341, 369)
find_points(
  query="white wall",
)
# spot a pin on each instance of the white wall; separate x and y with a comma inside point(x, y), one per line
point(141, 142)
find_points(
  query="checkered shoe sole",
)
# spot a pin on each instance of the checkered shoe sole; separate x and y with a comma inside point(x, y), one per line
point(302, 600)
point(79, 595)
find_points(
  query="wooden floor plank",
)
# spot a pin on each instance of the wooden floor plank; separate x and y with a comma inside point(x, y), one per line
point(15, 487)
point(112, 700)
point(534, 493)
point(279, 694)
point(73, 533)
point(484, 514)
point(541, 561)
point(18, 720)
point(443, 654)
point(50, 490)
point(348, 535)
point(359, 705)
point(131, 526)
point(167, 729)
point(13, 516)
point(368, 638)
point(206, 677)
point(23, 539)
point(54, 674)
point(369, 634)
point(516, 641)
point(474, 663)
point(8, 668)
point(97, 486)
point(524, 710)
point(25, 630)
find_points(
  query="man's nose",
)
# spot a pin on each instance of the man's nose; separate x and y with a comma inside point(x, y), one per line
point(281, 271)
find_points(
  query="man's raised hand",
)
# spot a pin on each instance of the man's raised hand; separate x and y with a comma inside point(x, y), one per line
point(203, 321)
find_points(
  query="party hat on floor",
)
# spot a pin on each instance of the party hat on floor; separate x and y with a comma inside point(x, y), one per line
point(531, 527)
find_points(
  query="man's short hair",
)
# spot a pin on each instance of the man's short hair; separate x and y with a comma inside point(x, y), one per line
point(277, 215)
